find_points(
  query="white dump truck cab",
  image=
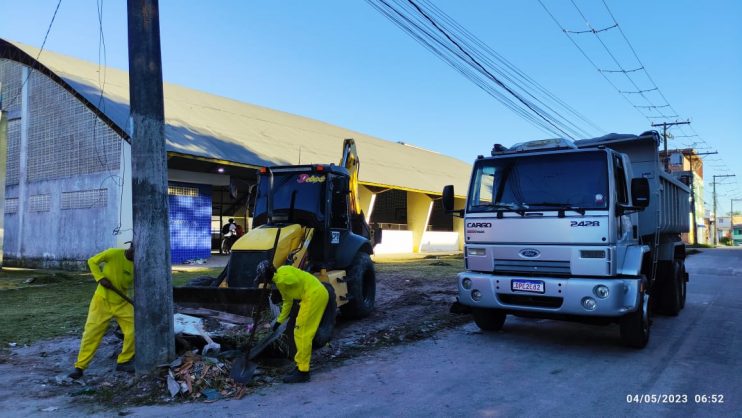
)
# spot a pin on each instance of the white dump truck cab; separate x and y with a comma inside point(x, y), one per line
point(557, 229)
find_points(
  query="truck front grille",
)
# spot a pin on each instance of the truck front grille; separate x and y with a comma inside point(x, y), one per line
point(531, 267)
point(529, 300)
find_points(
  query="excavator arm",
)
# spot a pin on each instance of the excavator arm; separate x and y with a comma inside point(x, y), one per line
point(352, 164)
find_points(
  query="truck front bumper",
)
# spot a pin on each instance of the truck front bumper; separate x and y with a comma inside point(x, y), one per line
point(583, 296)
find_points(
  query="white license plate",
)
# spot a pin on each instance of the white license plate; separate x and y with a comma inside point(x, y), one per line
point(533, 286)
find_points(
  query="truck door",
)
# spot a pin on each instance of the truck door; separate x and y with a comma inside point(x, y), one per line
point(624, 232)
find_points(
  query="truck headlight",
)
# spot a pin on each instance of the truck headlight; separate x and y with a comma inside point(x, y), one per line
point(466, 283)
point(476, 295)
point(474, 251)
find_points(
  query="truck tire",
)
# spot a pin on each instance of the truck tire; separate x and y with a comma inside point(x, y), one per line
point(635, 325)
point(680, 267)
point(489, 319)
point(361, 280)
point(671, 290)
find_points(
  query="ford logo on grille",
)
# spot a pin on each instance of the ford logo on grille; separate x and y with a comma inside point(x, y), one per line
point(529, 253)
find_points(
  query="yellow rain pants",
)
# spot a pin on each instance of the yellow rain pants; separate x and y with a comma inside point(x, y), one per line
point(107, 305)
point(296, 284)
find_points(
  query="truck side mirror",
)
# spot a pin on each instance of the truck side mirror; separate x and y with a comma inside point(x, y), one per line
point(448, 198)
point(640, 192)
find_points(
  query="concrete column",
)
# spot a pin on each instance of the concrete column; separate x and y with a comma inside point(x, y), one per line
point(368, 199)
point(23, 163)
point(458, 223)
point(419, 207)
point(3, 173)
point(126, 231)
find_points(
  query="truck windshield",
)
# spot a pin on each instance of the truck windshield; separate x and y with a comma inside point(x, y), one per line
point(577, 180)
point(304, 191)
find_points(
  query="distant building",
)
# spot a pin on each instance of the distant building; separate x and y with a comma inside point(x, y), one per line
point(67, 177)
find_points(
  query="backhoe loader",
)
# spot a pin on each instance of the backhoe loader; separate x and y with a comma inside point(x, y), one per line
point(308, 216)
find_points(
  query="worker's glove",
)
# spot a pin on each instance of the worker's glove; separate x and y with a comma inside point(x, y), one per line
point(105, 283)
point(276, 326)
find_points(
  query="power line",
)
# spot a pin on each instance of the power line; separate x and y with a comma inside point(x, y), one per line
point(38, 55)
point(461, 50)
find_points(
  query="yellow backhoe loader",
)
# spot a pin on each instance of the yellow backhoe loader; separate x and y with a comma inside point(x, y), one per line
point(308, 216)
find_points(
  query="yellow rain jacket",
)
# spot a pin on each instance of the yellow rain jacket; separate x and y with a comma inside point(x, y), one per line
point(296, 284)
point(107, 305)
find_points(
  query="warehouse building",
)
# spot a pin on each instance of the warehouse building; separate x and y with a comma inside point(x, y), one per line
point(65, 170)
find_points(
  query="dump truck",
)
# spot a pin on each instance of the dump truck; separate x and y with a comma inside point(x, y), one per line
point(308, 216)
point(585, 230)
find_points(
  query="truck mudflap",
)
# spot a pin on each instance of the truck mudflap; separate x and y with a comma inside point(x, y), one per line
point(581, 296)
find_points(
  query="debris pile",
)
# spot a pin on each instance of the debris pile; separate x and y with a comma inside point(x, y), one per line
point(193, 376)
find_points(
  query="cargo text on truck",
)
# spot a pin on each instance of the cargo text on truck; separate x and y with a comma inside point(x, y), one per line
point(586, 230)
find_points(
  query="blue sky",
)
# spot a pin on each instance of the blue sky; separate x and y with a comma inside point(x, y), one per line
point(344, 63)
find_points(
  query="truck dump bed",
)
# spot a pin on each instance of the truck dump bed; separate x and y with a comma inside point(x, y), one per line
point(669, 204)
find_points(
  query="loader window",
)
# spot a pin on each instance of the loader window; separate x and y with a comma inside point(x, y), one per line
point(339, 216)
point(297, 198)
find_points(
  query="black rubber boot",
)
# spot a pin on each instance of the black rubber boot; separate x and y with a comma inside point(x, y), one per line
point(76, 374)
point(297, 377)
point(127, 367)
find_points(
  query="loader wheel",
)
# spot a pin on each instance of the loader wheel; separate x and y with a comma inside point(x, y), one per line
point(635, 326)
point(361, 279)
point(489, 319)
point(327, 324)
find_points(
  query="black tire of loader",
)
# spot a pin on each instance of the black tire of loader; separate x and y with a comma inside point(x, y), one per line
point(361, 279)
point(324, 330)
point(636, 325)
point(489, 319)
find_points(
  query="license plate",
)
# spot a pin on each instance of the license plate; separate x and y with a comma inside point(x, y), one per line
point(532, 286)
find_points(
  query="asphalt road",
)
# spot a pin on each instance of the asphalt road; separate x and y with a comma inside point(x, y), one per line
point(536, 368)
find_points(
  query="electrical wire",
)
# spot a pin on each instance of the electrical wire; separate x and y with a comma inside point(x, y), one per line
point(464, 52)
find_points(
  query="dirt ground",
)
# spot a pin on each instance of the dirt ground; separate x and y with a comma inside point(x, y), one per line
point(413, 298)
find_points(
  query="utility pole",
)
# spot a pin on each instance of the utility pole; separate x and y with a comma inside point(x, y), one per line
point(664, 136)
point(153, 297)
point(716, 221)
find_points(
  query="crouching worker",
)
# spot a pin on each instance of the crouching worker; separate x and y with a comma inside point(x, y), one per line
point(295, 284)
point(107, 304)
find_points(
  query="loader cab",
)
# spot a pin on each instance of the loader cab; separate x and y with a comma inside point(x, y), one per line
point(315, 196)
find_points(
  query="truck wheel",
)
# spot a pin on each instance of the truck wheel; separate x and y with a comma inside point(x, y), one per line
point(327, 325)
point(489, 319)
point(635, 326)
point(671, 289)
point(361, 279)
point(680, 268)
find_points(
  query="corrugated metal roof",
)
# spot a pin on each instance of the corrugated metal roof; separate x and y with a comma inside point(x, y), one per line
point(210, 126)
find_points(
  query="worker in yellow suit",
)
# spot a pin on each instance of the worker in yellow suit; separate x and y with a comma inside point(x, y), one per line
point(295, 284)
point(117, 273)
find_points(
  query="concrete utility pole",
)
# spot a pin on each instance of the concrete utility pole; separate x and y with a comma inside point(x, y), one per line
point(153, 296)
point(716, 221)
point(664, 137)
